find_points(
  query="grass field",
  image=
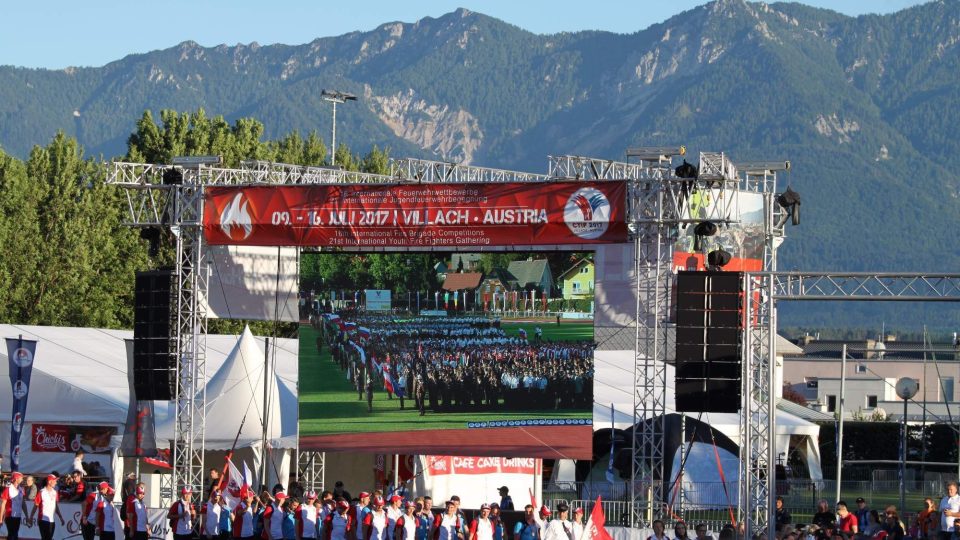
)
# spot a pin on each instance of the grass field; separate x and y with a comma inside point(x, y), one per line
point(329, 404)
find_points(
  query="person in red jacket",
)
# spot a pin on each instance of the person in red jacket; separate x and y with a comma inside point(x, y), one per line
point(183, 515)
point(137, 522)
point(243, 516)
point(107, 516)
point(339, 525)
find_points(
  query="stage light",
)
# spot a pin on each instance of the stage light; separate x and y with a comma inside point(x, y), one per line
point(701, 231)
point(172, 177)
point(718, 258)
point(334, 97)
point(789, 200)
point(151, 235)
point(687, 170)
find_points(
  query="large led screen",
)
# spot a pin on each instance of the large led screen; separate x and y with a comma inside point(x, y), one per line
point(483, 354)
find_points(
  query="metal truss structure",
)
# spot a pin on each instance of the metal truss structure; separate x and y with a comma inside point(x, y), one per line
point(658, 210)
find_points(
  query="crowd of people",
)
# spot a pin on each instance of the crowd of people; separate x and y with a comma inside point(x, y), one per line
point(934, 521)
point(464, 363)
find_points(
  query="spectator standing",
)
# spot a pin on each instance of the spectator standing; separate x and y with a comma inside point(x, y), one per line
point(955, 535)
point(862, 513)
point(506, 503)
point(212, 483)
point(137, 521)
point(210, 516)
point(183, 515)
point(339, 525)
point(949, 509)
point(823, 517)
point(576, 524)
point(406, 528)
point(13, 508)
point(107, 515)
point(30, 487)
point(658, 531)
point(446, 526)
point(338, 491)
point(701, 531)
point(481, 528)
point(846, 522)
point(873, 525)
point(243, 517)
point(78, 463)
point(680, 531)
point(926, 523)
point(783, 517)
point(45, 503)
point(527, 529)
point(892, 525)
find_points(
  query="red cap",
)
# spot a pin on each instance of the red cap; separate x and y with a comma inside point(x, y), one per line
point(378, 501)
point(103, 485)
point(364, 494)
point(186, 489)
point(52, 477)
point(409, 504)
point(280, 496)
point(110, 490)
point(343, 505)
point(16, 475)
point(484, 506)
point(396, 498)
point(311, 495)
point(578, 511)
point(545, 511)
point(140, 490)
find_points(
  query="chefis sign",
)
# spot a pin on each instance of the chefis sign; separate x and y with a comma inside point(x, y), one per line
point(428, 215)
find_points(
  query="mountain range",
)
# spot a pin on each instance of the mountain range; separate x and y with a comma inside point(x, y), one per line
point(867, 110)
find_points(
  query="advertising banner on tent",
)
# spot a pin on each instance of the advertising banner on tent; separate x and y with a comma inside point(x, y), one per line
point(430, 215)
point(477, 479)
point(61, 438)
point(20, 353)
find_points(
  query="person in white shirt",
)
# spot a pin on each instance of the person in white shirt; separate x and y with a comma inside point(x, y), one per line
point(273, 517)
point(394, 512)
point(658, 529)
point(307, 517)
point(481, 528)
point(182, 515)
point(210, 515)
point(375, 523)
point(78, 463)
point(559, 528)
point(577, 523)
point(137, 521)
point(13, 508)
point(406, 528)
point(46, 505)
point(949, 509)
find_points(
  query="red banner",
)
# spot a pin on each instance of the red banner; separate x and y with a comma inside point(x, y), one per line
point(443, 465)
point(61, 438)
point(428, 215)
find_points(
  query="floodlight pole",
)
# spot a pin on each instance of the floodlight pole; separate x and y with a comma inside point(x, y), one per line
point(334, 97)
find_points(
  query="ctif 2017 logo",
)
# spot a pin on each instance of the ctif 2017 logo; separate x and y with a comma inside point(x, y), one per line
point(235, 220)
point(587, 213)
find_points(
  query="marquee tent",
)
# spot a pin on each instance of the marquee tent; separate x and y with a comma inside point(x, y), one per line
point(80, 379)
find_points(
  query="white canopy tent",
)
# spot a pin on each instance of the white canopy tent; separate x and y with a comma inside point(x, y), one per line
point(80, 379)
point(612, 368)
point(235, 394)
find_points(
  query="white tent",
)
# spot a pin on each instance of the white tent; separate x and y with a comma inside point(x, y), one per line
point(612, 368)
point(80, 379)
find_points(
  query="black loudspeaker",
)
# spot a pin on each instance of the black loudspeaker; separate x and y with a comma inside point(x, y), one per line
point(154, 363)
point(709, 341)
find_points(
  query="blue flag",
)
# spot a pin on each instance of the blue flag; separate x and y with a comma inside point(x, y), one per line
point(20, 354)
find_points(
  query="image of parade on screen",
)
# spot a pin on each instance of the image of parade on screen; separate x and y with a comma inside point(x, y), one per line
point(444, 344)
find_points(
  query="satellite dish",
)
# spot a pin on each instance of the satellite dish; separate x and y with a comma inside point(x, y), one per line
point(907, 387)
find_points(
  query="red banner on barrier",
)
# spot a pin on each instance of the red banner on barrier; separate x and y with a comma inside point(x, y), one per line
point(429, 215)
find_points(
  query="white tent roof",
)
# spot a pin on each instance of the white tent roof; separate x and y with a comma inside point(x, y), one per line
point(613, 384)
point(80, 377)
point(236, 390)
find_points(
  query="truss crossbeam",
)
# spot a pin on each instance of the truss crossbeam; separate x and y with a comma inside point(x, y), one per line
point(429, 172)
point(850, 286)
point(588, 168)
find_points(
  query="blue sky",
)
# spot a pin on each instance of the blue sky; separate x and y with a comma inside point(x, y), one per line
point(94, 32)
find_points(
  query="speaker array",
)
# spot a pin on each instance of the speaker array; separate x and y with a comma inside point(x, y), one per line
point(709, 341)
point(154, 363)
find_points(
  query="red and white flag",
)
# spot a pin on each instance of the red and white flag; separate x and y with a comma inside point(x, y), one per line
point(594, 530)
point(238, 485)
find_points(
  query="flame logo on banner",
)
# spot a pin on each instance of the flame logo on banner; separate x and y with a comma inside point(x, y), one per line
point(235, 220)
point(587, 213)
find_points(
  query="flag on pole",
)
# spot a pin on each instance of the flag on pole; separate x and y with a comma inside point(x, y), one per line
point(594, 529)
point(20, 353)
point(238, 484)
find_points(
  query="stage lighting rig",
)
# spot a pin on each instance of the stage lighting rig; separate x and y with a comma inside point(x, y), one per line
point(718, 258)
point(701, 231)
point(789, 200)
